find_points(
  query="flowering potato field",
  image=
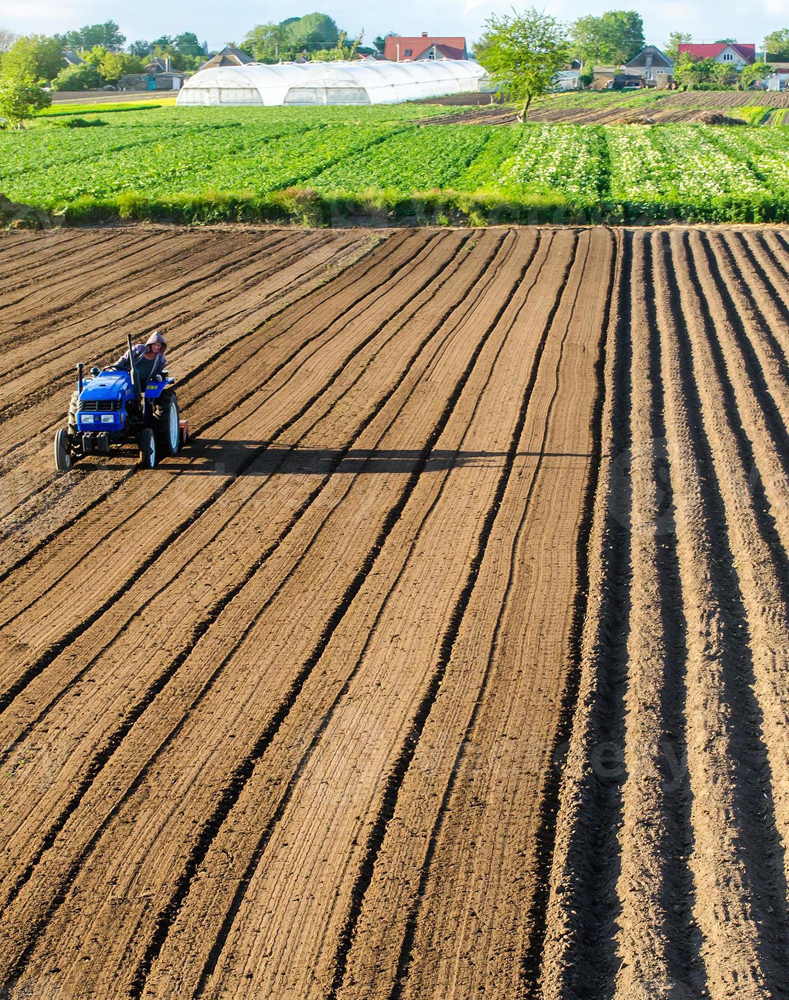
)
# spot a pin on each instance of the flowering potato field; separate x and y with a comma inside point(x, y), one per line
point(323, 165)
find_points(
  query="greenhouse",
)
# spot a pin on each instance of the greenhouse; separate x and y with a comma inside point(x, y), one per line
point(363, 82)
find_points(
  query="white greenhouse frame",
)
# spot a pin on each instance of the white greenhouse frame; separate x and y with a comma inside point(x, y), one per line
point(336, 83)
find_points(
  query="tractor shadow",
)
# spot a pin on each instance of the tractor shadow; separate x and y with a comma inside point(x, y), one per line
point(205, 456)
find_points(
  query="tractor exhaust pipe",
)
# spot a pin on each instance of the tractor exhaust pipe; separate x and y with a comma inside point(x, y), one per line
point(80, 366)
point(133, 368)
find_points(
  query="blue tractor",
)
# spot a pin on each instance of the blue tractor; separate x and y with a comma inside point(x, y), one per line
point(111, 406)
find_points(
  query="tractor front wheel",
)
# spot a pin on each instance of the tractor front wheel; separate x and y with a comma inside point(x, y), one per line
point(63, 459)
point(147, 448)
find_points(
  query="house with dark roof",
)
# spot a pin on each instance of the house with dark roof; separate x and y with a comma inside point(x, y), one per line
point(230, 55)
point(72, 58)
point(652, 64)
point(424, 47)
point(730, 53)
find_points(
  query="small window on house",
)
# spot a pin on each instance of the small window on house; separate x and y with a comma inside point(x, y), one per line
point(408, 52)
point(727, 57)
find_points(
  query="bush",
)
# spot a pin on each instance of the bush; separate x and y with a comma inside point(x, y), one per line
point(78, 78)
point(20, 99)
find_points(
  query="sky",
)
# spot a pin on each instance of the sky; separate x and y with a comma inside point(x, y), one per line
point(706, 20)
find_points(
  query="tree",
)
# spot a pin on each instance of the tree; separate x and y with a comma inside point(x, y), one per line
point(380, 40)
point(675, 39)
point(481, 44)
point(36, 56)
point(691, 73)
point(163, 42)
point(263, 42)
point(756, 71)
point(725, 41)
point(776, 45)
point(140, 49)
point(313, 31)
point(610, 40)
point(95, 57)
point(525, 52)
point(20, 98)
point(118, 64)
point(187, 44)
point(84, 77)
point(7, 39)
point(107, 34)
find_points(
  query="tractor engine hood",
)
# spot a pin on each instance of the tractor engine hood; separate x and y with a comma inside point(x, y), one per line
point(107, 385)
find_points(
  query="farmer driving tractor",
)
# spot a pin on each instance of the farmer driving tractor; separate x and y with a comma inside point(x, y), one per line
point(149, 359)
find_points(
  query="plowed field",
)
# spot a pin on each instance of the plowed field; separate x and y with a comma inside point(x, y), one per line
point(448, 660)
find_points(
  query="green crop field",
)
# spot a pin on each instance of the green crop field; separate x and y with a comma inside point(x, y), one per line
point(326, 165)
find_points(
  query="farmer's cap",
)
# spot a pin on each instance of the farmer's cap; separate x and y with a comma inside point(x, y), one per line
point(156, 338)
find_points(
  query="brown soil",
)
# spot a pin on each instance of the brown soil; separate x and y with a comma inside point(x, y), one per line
point(716, 118)
point(450, 658)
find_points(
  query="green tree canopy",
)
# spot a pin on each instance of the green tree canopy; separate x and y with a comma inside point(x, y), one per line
point(609, 40)
point(525, 51)
point(107, 34)
point(756, 71)
point(263, 42)
point(20, 98)
point(313, 31)
point(704, 74)
point(83, 77)
point(140, 48)
point(675, 39)
point(36, 56)
point(118, 64)
point(187, 44)
point(776, 44)
point(163, 42)
point(96, 56)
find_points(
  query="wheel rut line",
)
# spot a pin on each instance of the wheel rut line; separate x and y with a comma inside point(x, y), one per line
point(406, 950)
point(315, 657)
point(238, 780)
point(237, 403)
point(751, 763)
point(4, 755)
point(549, 807)
point(198, 429)
point(571, 941)
point(403, 761)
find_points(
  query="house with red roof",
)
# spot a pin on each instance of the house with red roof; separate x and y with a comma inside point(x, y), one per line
point(731, 53)
point(400, 48)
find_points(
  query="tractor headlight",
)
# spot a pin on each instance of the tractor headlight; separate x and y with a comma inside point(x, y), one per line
point(107, 418)
point(87, 418)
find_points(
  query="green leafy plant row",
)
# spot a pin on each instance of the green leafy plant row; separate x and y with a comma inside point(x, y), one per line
point(331, 166)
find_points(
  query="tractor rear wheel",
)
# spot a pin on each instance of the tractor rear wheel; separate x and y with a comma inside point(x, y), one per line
point(147, 448)
point(166, 424)
point(63, 460)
